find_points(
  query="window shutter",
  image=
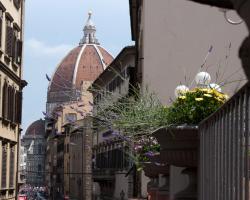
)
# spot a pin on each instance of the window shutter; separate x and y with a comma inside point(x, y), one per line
point(1, 24)
point(14, 52)
point(5, 101)
point(19, 106)
point(9, 103)
point(19, 51)
point(16, 107)
point(9, 40)
point(13, 110)
point(12, 166)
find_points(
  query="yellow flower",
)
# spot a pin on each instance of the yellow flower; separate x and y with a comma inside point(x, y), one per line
point(182, 97)
point(208, 95)
point(198, 99)
point(217, 93)
point(219, 99)
point(209, 91)
point(203, 89)
point(226, 96)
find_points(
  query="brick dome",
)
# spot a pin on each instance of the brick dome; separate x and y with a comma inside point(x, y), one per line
point(82, 64)
point(36, 128)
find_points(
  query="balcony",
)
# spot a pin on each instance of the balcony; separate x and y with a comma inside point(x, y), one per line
point(224, 150)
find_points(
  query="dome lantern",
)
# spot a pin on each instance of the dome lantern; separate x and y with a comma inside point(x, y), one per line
point(89, 32)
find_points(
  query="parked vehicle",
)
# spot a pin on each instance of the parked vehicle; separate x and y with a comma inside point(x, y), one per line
point(22, 196)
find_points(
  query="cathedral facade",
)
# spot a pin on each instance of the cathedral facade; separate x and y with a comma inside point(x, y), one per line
point(34, 144)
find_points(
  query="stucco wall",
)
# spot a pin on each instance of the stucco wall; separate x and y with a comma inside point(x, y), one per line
point(177, 36)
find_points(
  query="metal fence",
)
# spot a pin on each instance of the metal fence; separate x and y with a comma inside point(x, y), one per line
point(224, 151)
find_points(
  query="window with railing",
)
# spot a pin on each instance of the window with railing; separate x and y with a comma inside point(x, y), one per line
point(4, 165)
point(8, 37)
point(116, 158)
point(12, 166)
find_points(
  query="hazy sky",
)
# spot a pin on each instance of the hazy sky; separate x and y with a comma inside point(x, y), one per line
point(52, 28)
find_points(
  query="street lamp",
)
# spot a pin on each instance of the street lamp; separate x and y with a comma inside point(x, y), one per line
point(202, 79)
point(180, 90)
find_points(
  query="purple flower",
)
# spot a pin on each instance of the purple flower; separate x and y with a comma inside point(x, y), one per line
point(149, 154)
point(115, 133)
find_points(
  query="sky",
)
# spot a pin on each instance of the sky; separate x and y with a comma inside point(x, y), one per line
point(52, 28)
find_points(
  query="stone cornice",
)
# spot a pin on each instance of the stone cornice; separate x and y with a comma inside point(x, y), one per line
point(12, 75)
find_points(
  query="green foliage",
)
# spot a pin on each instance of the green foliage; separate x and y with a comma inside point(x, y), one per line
point(137, 116)
point(194, 106)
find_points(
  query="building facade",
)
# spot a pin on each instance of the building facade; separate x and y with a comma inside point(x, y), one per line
point(114, 174)
point(11, 84)
point(34, 144)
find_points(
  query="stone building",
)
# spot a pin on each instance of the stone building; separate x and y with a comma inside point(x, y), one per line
point(68, 101)
point(34, 144)
point(113, 173)
point(11, 85)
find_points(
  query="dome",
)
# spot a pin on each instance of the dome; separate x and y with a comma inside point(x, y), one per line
point(82, 64)
point(36, 128)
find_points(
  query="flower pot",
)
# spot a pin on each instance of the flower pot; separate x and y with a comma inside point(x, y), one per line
point(179, 145)
point(152, 170)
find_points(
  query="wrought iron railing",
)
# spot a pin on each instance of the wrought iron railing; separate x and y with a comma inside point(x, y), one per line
point(224, 150)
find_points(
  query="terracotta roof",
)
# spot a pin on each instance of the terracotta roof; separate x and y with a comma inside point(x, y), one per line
point(84, 63)
point(36, 128)
point(62, 78)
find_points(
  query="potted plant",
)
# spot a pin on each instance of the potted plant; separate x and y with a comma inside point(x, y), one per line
point(175, 127)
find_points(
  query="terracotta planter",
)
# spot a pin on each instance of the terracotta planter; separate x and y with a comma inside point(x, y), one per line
point(152, 170)
point(179, 145)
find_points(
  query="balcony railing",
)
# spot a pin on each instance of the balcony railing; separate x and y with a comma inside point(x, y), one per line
point(224, 150)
